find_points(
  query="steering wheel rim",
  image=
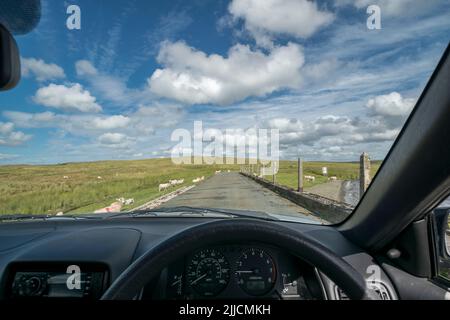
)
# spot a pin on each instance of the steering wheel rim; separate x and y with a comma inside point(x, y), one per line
point(150, 264)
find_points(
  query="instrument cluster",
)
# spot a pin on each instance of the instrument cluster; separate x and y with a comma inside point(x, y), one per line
point(239, 271)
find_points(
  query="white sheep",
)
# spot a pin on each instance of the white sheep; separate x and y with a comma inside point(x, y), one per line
point(121, 200)
point(164, 186)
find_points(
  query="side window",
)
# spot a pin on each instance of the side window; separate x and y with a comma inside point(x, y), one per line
point(442, 236)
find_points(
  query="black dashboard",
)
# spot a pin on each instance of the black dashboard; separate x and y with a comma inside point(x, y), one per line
point(237, 271)
point(104, 248)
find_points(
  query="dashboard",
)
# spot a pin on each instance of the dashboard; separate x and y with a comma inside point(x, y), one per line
point(239, 271)
point(35, 257)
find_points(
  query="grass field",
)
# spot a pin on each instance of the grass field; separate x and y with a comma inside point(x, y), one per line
point(43, 189)
point(287, 174)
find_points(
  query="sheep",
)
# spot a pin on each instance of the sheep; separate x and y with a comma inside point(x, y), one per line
point(66, 177)
point(164, 186)
point(218, 171)
point(196, 180)
point(121, 200)
point(124, 201)
point(332, 178)
point(99, 178)
point(310, 178)
point(177, 182)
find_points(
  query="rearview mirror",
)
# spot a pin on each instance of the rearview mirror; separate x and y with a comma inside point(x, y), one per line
point(9, 60)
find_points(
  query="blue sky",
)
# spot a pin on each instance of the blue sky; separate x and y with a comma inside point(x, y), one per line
point(137, 70)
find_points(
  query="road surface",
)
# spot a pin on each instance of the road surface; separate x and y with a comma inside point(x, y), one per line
point(236, 192)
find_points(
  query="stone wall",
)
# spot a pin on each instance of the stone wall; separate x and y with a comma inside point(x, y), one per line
point(327, 209)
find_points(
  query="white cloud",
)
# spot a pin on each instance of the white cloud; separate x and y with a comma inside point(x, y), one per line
point(393, 105)
point(286, 125)
point(68, 98)
point(112, 138)
point(41, 70)
point(9, 137)
point(72, 123)
point(33, 120)
point(263, 19)
point(192, 77)
point(115, 140)
point(385, 115)
point(111, 88)
point(111, 122)
point(85, 68)
point(6, 128)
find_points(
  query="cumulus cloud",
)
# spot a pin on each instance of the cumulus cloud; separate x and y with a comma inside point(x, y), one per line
point(68, 98)
point(41, 70)
point(71, 123)
point(264, 19)
point(391, 105)
point(112, 138)
point(193, 77)
point(10, 137)
point(382, 123)
point(111, 122)
point(129, 132)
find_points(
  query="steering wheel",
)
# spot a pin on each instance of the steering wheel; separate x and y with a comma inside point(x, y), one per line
point(149, 265)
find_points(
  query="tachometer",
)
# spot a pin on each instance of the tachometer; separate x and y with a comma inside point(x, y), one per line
point(255, 272)
point(208, 272)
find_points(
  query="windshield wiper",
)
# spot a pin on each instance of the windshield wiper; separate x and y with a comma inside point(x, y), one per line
point(44, 217)
point(187, 211)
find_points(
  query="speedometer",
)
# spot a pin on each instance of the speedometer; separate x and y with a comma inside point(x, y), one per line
point(255, 272)
point(208, 272)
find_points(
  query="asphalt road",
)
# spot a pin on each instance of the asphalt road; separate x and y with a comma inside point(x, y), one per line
point(233, 191)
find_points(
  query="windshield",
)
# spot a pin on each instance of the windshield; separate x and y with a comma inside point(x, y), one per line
point(277, 109)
